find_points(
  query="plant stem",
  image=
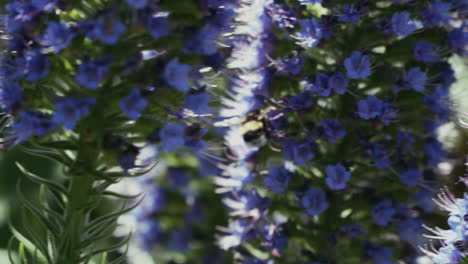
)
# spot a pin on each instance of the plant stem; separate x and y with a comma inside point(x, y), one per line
point(80, 201)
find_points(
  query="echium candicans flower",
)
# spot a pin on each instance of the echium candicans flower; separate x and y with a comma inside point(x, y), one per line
point(57, 36)
point(453, 240)
point(69, 110)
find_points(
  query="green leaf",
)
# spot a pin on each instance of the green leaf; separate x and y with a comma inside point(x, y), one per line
point(26, 244)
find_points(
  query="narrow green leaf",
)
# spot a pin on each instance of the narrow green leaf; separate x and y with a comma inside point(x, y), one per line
point(24, 243)
point(33, 177)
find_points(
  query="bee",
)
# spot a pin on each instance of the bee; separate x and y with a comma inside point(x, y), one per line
point(255, 126)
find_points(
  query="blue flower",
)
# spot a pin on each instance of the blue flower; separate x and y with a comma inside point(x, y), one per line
point(358, 65)
point(198, 102)
point(133, 104)
point(91, 73)
point(438, 12)
point(350, 14)
point(177, 74)
point(137, 3)
point(415, 79)
point(338, 83)
point(177, 177)
point(300, 101)
point(290, 65)
point(277, 180)
point(314, 201)
point(459, 40)
point(434, 153)
point(203, 41)
point(310, 34)
point(57, 36)
point(31, 123)
point(425, 51)
point(149, 231)
point(438, 102)
point(13, 68)
point(402, 25)
point(337, 177)
point(380, 156)
point(10, 96)
point(37, 65)
point(108, 29)
point(302, 153)
point(388, 113)
point(69, 110)
point(180, 240)
point(370, 108)
point(404, 140)
point(424, 200)
point(333, 130)
point(352, 230)
point(411, 177)
point(321, 85)
point(310, 1)
point(172, 136)
point(158, 25)
point(383, 212)
point(381, 255)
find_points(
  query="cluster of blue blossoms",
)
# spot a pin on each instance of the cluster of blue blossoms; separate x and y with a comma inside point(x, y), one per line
point(319, 106)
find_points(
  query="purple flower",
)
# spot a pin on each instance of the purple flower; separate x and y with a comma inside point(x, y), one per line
point(158, 25)
point(108, 29)
point(352, 230)
point(31, 123)
point(333, 130)
point(310, 1)
point(424, 51)
point(282, 15)
point(69, 110)
point(459, 40)
point(149, 231)
point(438, 12)
point(172, 136)
point(402, 25)
point(13, 68)
point(338, 83)
point(411, 177)
point(411, 230)
point(438, 102)
point(133, 104)
point(383, 212)
point(277, 180)
point(404, 140)
point(414, 79)
point(380, 156)
point(388, 113)
point(10, 96)
point(381, 255)
point(358, 65)
point(350, 14)
point(424, 200)
point(37, 65)
point(321, 85)
point(91, 73)
point(57, 36)
point(180, 240)
point(303, 153)
point(177, 74)
point(314, 201)
point(337, 177)
point(370, 108)
point(310, 34)
point(137, 3)
point(177, 177)
point(203, 41)
point(290, 65)
point(434, 153)
point(198, 102)
point(300, 101)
